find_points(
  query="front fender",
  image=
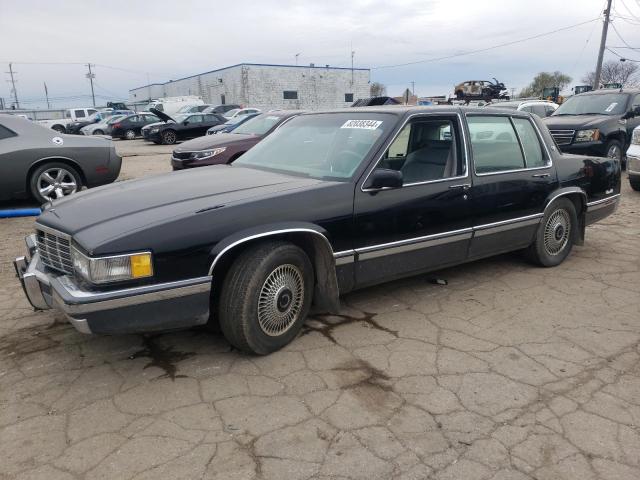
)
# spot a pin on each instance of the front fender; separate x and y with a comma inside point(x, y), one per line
point(310, 237)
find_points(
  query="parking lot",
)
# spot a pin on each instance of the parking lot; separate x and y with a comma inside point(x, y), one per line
point(491, 370)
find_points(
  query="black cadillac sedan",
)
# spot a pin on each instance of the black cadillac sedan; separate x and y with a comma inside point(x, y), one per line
point(328, 203)
point(183, 127)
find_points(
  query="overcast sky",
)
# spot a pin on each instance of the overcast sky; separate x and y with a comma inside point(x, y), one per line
point(169, 39)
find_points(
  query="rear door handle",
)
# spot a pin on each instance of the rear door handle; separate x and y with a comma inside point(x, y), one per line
point(463, 186)
point(541, 175)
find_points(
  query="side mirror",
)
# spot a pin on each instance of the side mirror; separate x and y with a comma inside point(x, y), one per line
point(385, 178)
point(548, 113)
point(632, 113)
point(185, 123)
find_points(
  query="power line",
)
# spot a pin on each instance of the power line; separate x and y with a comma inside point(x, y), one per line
point(470, 52)
point(625, 58)
point(629, 10)
point(620, 37)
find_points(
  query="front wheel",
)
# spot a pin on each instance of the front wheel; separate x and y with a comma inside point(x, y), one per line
point(266, 296)
point(54, 180)
point(169, 137)
point(59, 128)
point(98, 132)
point(556, 233)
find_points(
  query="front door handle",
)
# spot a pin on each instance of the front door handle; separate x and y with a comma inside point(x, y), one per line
point(463, 186)
point(541, 175)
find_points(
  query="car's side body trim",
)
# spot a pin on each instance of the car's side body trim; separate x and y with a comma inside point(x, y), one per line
point(497, 227)
point(605, 202)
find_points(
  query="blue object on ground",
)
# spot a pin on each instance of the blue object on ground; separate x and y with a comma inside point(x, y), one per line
point(20, 212)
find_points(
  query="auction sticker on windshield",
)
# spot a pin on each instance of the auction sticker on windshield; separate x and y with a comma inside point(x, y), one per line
point(611, 107)
point(364, 124)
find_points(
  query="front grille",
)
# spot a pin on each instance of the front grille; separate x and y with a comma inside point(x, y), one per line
point(181, 155)
point(55, 250)
point(563, 137)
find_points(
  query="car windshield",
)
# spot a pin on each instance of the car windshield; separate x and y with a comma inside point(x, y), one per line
point(259, 125)
point(232, 112)
point(114, 119)
point(181, 117)
point(325, 146)
point(594, 104)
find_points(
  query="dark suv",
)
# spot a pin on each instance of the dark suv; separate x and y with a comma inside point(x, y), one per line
point(596, 123)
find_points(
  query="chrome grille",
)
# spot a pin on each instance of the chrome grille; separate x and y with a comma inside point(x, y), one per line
point(55, 250)
point(563, 137)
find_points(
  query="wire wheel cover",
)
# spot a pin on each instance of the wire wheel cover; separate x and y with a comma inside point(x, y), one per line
point(557, 231)
point(280, 300)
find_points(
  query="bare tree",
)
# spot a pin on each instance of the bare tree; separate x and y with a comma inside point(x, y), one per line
point(545, 80)
point(613, 71)
point(377, 89)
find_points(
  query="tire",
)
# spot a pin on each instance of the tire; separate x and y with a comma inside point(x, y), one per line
point(555, 235)
point(270, 282)
point(59, 178)
point(169, 137)
point(130, 135)
point(614, 150)
point(635, 183)
point(98, 132)
point(59, 129)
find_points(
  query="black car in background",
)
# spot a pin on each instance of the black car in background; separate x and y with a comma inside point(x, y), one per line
point(130, 127)
point(599, 123)
point(183, 127)
point(330, 202)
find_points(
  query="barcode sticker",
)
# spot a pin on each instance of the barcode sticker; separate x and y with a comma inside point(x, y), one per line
point(363, 124)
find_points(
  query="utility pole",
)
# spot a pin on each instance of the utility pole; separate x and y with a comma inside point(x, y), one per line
point(413, 88)
point(603, 42)
point(46, 94)
point(13, 85)
point(297, 55)
point(353, 53)
point(91, 76)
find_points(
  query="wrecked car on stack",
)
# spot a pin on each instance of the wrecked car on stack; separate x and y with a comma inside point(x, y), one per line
point(328, 203)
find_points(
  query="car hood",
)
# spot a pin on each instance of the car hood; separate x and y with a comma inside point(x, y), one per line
point(161, 115)
point(575, 122)
point(212, 141)
point(96, 216)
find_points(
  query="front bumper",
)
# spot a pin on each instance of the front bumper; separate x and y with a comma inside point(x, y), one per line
point(597, 148)
point(163, 306)
point(633, 160)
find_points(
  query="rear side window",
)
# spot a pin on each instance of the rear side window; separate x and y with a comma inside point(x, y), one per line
point(539, 110)
point(494, 144)
point(80, 114)
point(533, 155)
point(5, 133)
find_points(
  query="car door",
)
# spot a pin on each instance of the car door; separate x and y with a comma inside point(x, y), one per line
point(194, 127)
point(425, 223)
point(513, 176)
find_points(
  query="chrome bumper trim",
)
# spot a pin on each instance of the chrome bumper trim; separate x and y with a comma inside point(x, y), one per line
point(32, 278)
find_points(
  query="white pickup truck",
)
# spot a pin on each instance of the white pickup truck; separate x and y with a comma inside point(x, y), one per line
point(70, 115)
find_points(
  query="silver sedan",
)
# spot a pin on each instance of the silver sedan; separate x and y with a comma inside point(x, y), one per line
point(41, 163)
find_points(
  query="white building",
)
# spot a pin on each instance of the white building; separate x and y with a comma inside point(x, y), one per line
point(267, 86)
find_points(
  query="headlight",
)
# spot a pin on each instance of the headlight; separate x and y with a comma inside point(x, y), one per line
point(588, 135)
point(113, 268)
point(154, 130)
point(208, 153)
point(635, 139)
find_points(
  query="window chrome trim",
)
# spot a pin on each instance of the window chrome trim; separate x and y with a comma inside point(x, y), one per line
point(510, 117)
point(464, 150)
point(267, 234)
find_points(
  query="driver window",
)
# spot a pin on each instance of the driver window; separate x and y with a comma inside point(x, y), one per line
point(426, 150)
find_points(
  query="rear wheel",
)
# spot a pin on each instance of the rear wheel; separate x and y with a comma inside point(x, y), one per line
point(130, 135)
point(98, 132)
point(59, 128)
point(265, 297)
point(169, 137)
point(554, 239)
point(54, 180)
